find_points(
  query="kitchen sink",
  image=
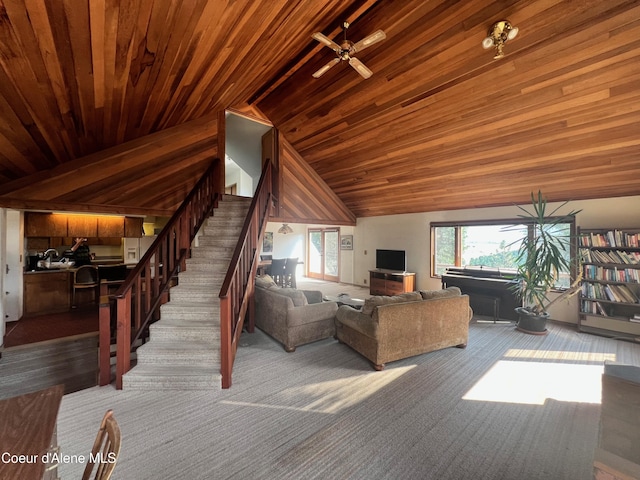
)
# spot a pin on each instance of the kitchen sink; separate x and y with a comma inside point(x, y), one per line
point(65, 264)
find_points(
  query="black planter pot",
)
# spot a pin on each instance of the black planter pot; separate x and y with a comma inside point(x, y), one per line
point(532, 323)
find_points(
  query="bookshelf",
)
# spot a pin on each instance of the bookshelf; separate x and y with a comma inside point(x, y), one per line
point(609, 298)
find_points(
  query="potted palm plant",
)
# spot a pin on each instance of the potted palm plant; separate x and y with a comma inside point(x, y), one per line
point(540, 259)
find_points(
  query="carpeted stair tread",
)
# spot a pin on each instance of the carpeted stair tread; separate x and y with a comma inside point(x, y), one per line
point(183, 350)
point(195, 293)
point(193, 312)
point(172, 377)
point(170, 352)
point(178, 333)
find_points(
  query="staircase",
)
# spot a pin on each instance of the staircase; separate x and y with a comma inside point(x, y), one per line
point(183, 350)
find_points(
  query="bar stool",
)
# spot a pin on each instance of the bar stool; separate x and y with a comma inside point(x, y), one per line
point(85, 277)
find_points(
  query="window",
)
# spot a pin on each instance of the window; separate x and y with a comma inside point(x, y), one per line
point(489, 244)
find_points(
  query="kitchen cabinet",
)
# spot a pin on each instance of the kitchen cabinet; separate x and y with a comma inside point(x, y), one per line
point(63, 226)
point(133, 227)
point(47, 292)
point(38, 224)
point(110, 227)
point(82, 226)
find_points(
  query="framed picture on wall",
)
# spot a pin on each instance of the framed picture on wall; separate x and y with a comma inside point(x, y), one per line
point(346, 242)
point(267, 242)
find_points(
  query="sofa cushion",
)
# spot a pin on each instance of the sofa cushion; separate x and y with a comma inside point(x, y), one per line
point(447, 292)
point(372, 302)
point(265, 281)
point(297, 296)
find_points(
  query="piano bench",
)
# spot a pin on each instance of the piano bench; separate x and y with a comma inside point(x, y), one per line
point(493, 302)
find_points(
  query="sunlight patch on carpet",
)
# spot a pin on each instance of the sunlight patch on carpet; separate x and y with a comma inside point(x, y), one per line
point(534, 382)
point(332, 396)
point(560, 355)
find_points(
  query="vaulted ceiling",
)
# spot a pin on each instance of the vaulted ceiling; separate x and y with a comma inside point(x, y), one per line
point(114, 104)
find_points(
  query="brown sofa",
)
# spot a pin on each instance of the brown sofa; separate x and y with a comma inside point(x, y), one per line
point(392, 328)
point(293, 317)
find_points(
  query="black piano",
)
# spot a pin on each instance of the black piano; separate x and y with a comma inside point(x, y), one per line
point(488, 289)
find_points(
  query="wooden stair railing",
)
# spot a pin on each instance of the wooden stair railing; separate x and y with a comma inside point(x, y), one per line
point(138, 300)
point(236, 294)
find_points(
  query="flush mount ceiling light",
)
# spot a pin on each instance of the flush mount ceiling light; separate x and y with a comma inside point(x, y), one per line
point(284, 229)
point(499, 33)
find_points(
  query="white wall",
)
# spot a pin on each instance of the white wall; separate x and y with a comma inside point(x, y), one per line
point(12, 261)
point(295, 245)
point(3, 254)
point(411, 232)
point(242, 180)
point(244, 147)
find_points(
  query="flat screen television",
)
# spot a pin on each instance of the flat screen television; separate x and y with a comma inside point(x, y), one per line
point(391, 260)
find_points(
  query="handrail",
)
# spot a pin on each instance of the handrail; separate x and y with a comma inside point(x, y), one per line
point(236, 294)
point(146, 288)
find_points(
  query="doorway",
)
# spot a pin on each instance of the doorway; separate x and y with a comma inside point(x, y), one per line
point(323, 253)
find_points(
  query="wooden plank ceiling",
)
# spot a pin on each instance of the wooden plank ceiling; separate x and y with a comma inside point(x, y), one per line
point(442, 125)
point(90, 89)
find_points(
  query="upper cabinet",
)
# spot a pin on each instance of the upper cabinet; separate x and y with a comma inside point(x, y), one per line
point(45, 225)
point(37, 224)
point(111, 227)
point(133, 227)
point(82, 226)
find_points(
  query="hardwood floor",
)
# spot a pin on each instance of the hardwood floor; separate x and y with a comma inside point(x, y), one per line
point(42, 328)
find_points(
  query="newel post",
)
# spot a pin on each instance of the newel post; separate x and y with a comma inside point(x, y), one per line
point(104, 347)
point(123, 352)
point(226, 361)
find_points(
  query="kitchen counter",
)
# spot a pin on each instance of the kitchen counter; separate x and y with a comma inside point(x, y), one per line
point(51, 291)
point(47, 291)
point(105, 263)
point(49, 270)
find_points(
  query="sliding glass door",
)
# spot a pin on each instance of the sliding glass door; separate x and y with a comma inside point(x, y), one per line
point(323, 253)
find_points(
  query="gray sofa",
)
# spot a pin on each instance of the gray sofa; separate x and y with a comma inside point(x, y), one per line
point(293, 317)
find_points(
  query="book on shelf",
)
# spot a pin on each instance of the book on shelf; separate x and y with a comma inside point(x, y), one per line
point(612, 238)
point(618, 293)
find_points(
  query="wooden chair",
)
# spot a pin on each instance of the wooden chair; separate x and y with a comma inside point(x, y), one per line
point(107, 447)
point(85, 277)
point(277, 270)
point(290, 272)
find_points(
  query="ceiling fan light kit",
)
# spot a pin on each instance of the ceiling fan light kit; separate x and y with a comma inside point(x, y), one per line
point(499, 33)
point(346, 50)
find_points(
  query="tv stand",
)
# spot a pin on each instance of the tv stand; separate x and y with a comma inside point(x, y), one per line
point(389, 282)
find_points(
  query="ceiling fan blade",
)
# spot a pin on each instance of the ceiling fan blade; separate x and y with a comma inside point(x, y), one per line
point(360, 67)
point(324, 69)
point(375, 37)
point(326, 41)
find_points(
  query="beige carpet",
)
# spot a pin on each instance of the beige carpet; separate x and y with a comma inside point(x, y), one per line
point(511, 406)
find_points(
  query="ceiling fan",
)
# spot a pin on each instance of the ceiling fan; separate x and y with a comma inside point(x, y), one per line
point(346, 49)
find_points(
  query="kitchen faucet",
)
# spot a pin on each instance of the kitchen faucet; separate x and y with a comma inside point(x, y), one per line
point(49, 251)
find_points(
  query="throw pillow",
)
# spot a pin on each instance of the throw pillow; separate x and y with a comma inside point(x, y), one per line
point(297, 296)
point(447, 292)
point(265, 281)
point(372, 302)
